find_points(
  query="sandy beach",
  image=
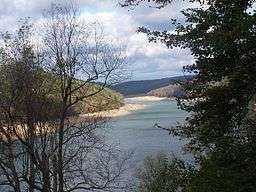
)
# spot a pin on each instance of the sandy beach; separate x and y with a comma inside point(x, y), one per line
point(131, 104)
point(124, 110)
point(146, 98)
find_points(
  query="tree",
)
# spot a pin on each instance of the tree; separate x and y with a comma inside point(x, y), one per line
point(76, 51)
point(162, 174)
point(133, 3)
point(221, 37)
point(45, 146)
point(21, 106)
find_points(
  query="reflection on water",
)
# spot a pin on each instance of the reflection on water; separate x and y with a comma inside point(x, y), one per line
point(136, 131)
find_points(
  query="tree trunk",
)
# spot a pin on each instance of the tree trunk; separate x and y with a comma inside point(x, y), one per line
point(54, 167)
point(46, 173)
point(60, 151)
point(31, 140)
point(55, 172)
point(31, 179)
point(13, 168)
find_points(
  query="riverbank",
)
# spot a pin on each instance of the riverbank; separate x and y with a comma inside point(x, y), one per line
point(131, 104)
point(146, 98)
point(122, 111)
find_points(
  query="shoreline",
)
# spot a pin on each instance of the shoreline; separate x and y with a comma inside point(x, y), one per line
point(122, 111)
point(146, 98)
point(131, 104)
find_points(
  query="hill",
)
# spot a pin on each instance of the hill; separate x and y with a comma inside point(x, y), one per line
point(46, 95)
point(167, 91)
point(106, 99)
point(142, 87)
point(103, 101)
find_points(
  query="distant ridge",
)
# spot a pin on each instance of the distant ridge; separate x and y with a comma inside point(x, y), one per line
point(142, 87)
point(170, 91)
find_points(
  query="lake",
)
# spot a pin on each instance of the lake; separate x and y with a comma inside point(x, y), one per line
point(136, 131)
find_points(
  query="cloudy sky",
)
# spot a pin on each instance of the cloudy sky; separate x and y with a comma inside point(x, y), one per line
point(146, 60)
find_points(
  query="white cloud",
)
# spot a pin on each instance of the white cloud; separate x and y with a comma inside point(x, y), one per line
point(148, 60)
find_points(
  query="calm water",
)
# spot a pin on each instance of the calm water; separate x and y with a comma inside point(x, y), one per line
point(136, 131)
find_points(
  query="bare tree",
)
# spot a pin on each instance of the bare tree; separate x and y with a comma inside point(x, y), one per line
point(77, 51)
point(155, 3)
point(44, 145)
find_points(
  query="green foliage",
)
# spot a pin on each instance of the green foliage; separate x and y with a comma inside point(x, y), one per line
point(29, 91)
point(221, 35)
point(46, 98)
point(222, 38)
point(23, 85)
point(26, 91)
point(160, 174)
point(106, 99)
point(226, 170)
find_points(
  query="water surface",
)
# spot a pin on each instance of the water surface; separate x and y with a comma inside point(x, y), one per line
point(136, 131)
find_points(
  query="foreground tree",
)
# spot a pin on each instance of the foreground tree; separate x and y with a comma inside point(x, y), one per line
point(22, 99)
point(45, 146)
point(162, 174)
point(221, 36)
point(76, 50)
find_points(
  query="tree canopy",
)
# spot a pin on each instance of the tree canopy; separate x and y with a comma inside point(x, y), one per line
point(221, 35)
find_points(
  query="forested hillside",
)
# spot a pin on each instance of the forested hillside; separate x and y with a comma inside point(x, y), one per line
point(142, 87)
point(167, 91)
point(105, 99)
